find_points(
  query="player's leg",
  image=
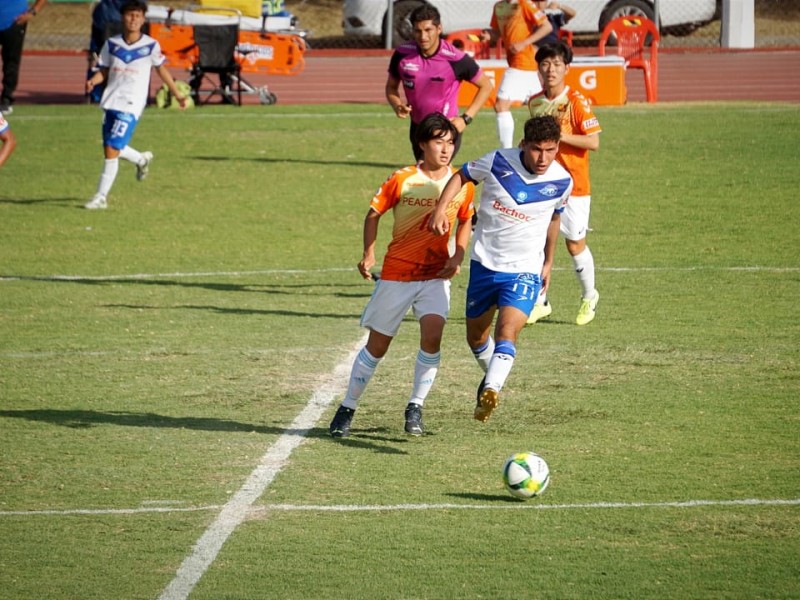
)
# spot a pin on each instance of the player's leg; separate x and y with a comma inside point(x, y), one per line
point(517, 86)
point(431, 307)
point(517, 293)
point(142, 160)
point(118, 129)
point(12, 40)
point(502, 107)
point(574, 227)
point(383, 315)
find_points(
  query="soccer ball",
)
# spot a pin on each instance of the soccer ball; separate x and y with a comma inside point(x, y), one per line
point(526, 475)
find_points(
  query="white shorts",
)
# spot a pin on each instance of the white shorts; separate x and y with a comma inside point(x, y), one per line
point(391, 300)
point(575, 218)
point(519, 85)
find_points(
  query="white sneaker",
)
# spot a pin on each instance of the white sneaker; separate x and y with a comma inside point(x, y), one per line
point(99, 201)
point(144, 168)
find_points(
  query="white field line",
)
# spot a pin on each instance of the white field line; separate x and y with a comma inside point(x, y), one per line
point(343, 508)
point(236, 509)
point(184, 275)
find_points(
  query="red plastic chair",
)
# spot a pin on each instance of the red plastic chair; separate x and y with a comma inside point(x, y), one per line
point(469, 40)
point(637, 42)
point(565, 35)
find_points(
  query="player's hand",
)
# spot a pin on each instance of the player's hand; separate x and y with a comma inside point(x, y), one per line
point(545, 278)
point(403, 111)
point(440, 226)
point(450, 269)
point(182, 101)
point(364, 267)
point(89, 85)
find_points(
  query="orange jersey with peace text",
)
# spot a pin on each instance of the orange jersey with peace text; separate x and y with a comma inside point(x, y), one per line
point(515, 21)
point(416, 254)
point(575, 114)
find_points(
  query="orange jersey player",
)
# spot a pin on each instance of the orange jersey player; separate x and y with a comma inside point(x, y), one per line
point(580, 134)
point(520, 25)
point(416, 270)
point(413, 254)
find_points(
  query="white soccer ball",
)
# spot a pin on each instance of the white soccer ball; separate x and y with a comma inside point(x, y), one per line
point(526, 475)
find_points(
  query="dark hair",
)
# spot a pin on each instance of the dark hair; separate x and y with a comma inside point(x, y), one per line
point(434, 126)
point(542, 129)
point(130, 5)
point(425, 12)
point(557, 49)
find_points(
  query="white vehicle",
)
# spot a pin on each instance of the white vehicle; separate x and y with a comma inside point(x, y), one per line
point(677, 17)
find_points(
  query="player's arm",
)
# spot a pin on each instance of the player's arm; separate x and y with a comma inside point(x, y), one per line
point(398, 103)
point(166, 77)
point(9, 141)
point(587, 142)
point(453, 265)
point(569, 12)
point(550, 248)
point(439, 223)
point(541, 31)
point(370, 237)
point(485, 87)
point(31, 12)
point(97, 78)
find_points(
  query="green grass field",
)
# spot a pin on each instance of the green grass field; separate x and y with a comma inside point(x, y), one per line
point(157, 356)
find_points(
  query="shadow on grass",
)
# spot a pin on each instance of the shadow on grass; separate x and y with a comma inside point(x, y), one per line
point(75, 202)
point(340, 163)
point(286, 289)
point(235, 311)
point(85, 419)
point(486, 497)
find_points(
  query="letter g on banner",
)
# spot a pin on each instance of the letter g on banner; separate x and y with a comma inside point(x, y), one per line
point(588, 80)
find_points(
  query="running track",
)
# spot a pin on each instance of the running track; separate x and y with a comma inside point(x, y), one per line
point(341, 77)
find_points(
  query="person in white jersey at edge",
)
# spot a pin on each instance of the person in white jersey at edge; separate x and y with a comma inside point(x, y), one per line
point(124, 64)
point(8, 141)
point(524, 192)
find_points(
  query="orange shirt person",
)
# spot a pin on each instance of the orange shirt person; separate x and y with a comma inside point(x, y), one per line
point(416, 270)
point(520, 25)
point(580, 135)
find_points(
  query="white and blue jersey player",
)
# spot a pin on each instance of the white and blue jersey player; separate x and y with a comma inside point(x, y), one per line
point(524, 192)
point(124, 64)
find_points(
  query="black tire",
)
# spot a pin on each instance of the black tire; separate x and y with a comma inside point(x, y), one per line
point(402, 30)
point(625, 8)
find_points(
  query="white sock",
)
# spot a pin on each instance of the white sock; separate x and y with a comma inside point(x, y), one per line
point(107, 177)
point(131, 155)
point(541, 299)
point(484, 354)
point(425, 370)
point(584, 269)
point(500, 365)
point(362, 371)
point(505, 129)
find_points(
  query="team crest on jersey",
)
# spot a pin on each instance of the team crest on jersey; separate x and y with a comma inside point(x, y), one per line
point(549, 190)
point(128, 55)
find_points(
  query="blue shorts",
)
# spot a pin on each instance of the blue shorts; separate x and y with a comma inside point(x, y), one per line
point(488, 289)
point(118, 128)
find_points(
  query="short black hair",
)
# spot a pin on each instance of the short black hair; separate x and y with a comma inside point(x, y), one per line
point(425, 12)
point(130, 5)
point(559, 49)
point(542, 129)
point(434, 126)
